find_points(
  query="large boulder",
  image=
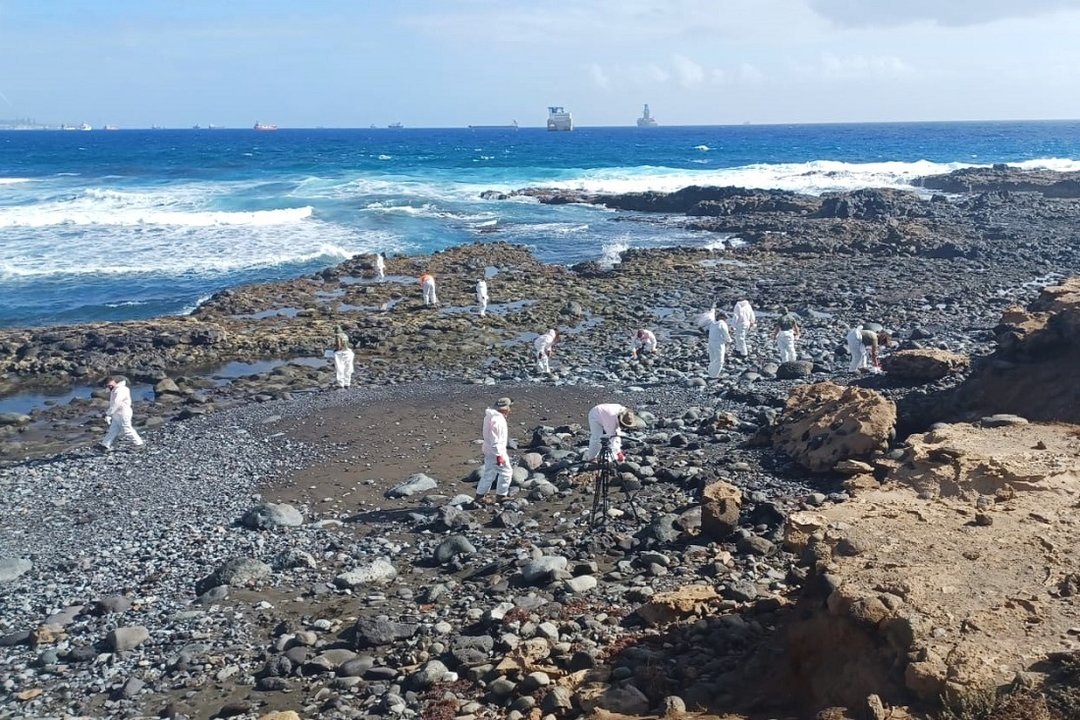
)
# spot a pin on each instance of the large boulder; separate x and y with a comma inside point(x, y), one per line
point(266, 516)
point(414, 485)
point(825, 423)
point(721, 503)
point(924, 364)
point(237, 572)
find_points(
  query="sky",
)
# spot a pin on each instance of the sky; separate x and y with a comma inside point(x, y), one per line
point(450, 63)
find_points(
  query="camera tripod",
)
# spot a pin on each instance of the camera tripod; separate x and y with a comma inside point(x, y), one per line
point(605, 475)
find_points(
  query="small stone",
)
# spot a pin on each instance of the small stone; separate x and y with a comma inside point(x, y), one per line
point(11, 568)
point(414, 485)
point(268, 516)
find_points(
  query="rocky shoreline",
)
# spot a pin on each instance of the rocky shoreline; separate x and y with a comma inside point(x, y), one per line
point(253, 558)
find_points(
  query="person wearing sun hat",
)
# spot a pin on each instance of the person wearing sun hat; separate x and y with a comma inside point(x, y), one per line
point(610, 419)
point(497, 469)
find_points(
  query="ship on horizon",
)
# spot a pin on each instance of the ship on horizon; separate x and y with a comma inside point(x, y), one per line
point(261, 126)
point(646, 119)
point(512, 126)
point(395, 126)
point(559, 119)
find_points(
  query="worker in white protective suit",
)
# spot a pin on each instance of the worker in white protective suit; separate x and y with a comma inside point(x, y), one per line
point(380, 266)
point(610, 419)
point(719, 337)
point(545, 347)
point(119, 414)
point(863, 345)
point(497, 468)
point(644, 342)
point(427, 288)
point(743, 321)
point(343, 359)
point(482, 296)
point(787, 332)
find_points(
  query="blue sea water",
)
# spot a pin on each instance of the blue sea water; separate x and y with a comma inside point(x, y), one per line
point(138, 223)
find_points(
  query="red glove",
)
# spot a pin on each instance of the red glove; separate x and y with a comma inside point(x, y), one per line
point(620, 457)
point(499, 461)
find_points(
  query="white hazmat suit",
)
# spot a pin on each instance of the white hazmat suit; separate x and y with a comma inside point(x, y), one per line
point(785, 345)
point(119, 417)
point(742, 319)
point(427, 287)
point(495, 434)
point(719, 337)
point(482, 297)
point(343, 367)
point(644, 341)
point(604, 420)
point(380, 266)
point(859, 357)
point(543, 345)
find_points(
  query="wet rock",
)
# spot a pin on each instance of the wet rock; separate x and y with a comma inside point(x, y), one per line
point(111, 604)
point(794, 369)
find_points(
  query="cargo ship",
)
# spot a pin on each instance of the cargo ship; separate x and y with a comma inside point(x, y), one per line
point(512, 126)
point(260, 126)
point(646, 120)
point(559, 119)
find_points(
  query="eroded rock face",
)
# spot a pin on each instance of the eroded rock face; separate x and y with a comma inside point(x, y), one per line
point(930, 576)
point(825, 423)
point(924, 364)
point(1033, 373)
point(721, 503)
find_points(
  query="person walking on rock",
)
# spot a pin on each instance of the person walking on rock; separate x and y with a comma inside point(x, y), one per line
point(863, 345)
point(343, 359)
point(743, 321)
point(609, 419)
point(787, 332)
point(380, 266)
point(427, 287)
point(544, 347)
point(482, 296)
point(497, 469)
point(719, 337)
point(119, 414)
point(644, 342)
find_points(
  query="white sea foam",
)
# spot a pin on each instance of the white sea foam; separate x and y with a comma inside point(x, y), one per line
point(812, 177)
point(188, 309)
point(610, 253)
point(13, 180)
point(183, 250)
point(702, 148)
point(47, 214)
point(1055, 164)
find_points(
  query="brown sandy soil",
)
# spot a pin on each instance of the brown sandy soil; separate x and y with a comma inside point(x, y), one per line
point(434, 430)
point(970, 545)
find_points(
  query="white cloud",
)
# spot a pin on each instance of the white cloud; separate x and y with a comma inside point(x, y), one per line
point(863, 13)
point(856, 67)
point(688, 71)
point(748, 74)
point(599, 77)
point(656, 73)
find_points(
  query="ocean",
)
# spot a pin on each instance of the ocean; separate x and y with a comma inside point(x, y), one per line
point(116, 225)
